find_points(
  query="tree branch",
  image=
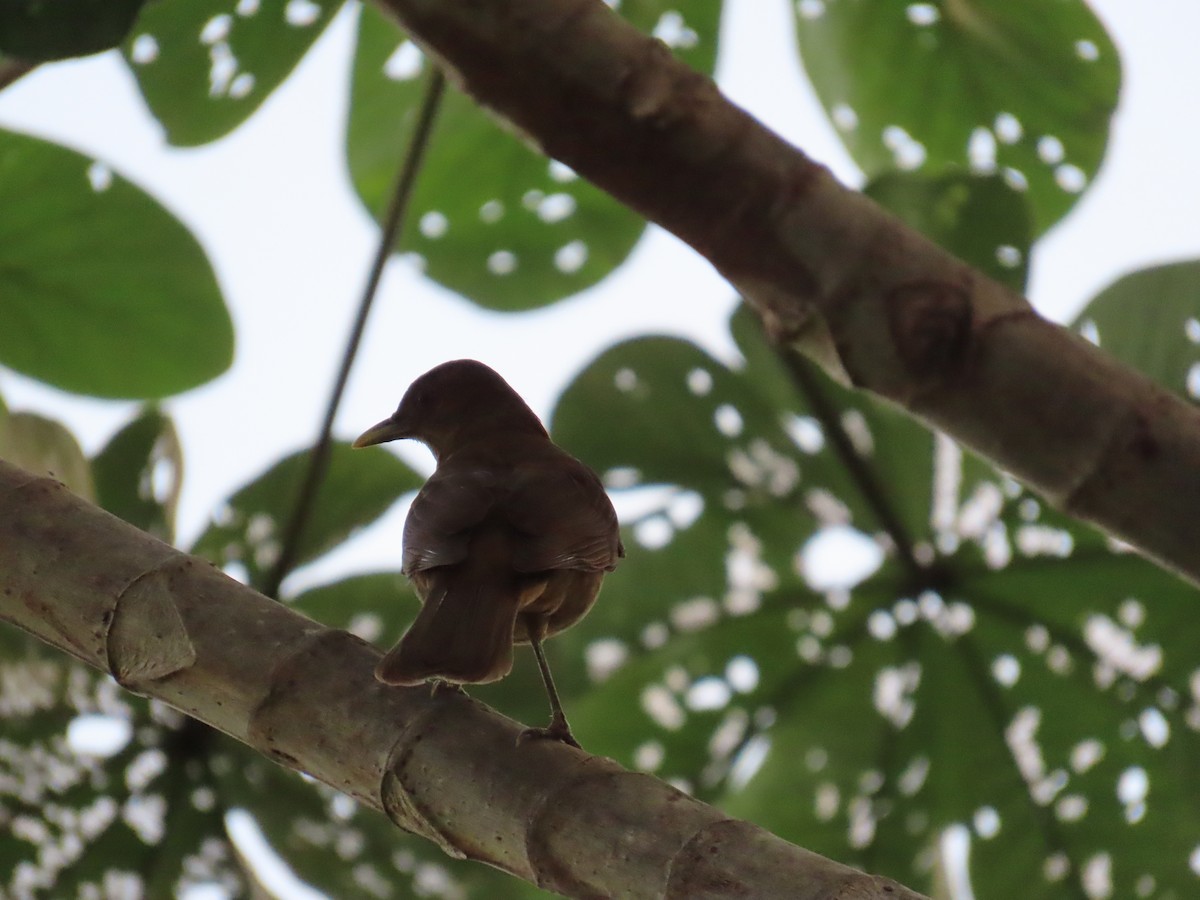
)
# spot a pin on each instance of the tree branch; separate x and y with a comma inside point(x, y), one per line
point(871, 300)
point(174, 627)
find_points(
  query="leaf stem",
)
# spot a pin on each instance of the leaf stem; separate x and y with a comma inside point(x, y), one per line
point(864, 476)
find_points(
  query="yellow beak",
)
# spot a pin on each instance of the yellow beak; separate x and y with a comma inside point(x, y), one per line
point(387, 430)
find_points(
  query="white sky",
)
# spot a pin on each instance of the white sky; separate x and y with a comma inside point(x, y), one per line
point(273, 207)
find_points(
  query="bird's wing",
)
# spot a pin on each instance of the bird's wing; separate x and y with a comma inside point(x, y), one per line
point(565, 519)
point(438, 530)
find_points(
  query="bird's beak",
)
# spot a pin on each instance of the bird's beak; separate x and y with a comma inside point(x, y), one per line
point(390, 429)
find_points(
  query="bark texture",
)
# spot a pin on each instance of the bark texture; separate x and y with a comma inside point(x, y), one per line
point(830, 273)
point(172, 626)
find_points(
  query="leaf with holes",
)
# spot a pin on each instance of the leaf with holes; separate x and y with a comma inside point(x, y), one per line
point(1020, 87)
point(94, 272)
point(637, 611)
point(1001, 670)
point(864, 457)
point(1091, 663)
point(358, 487)
point(494, 220)
point(1150, 319)
point(39, 32)
point(981, 219)
point(102, 793)
point(204, 69)
point(374, 606)
point(688, 705)
point(139, 474)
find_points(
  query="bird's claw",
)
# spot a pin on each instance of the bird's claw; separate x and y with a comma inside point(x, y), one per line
point(442, 686)
point(557, 730)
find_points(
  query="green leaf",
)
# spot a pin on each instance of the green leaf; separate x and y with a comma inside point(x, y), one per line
point(737, 475)
point(979, 218)
point(653, 597)
point(45, 447)
point(1150, 319)
point(895, 449)
point(378, 607)
point(685, 708)
point(105, 292)
point(978, 705)
point(364, 604)
point(140, 813)
point(359, 486)
point(139, 474)
point(41, 31)
point(1013, 674)
point(1023, 87)
point(520, 232)
point(204, 67)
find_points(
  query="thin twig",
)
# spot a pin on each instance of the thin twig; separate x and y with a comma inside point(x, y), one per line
point(318, 460)
point(864, 476)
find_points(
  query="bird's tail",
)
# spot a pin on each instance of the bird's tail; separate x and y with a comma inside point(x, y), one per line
point(463, 634)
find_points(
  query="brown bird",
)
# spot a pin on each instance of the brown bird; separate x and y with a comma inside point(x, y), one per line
point(507, 542)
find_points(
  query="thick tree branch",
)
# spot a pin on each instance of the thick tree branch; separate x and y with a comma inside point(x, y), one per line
point(174, 627)
point(871, 300)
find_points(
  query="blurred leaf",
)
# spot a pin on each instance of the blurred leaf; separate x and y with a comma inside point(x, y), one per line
point(1012, 674)
point(681, 411)
point(105, 292)
point(1022, 87)
point(995, 726)
point(520, 232)
point(637, 610)
point(38, 31)
point(895, 449)
point(139, 474)
point(380, 596)
point(378, 607)
point(134, 815)
point(1150, 319)
point(45, 447)
point(204, 67)
point(978, 218)
point(359, 487)
point(673, 708)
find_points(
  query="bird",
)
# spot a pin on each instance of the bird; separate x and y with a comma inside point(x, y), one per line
point(506, 543)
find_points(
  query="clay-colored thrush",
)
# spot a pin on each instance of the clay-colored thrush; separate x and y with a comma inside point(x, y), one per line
point(508, 540)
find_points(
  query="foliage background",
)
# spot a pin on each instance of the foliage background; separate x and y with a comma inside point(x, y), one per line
point(271, 204)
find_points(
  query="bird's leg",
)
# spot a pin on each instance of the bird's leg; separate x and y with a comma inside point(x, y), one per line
point(441, 685)
point(558, 729)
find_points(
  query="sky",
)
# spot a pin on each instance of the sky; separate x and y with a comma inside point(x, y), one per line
point(291, 245)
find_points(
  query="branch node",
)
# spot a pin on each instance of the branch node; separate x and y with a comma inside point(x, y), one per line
point(145, 638)
point(543, 823)
point(399, 801)
point(931, 326)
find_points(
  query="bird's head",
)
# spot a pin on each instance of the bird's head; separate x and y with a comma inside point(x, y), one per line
point(452, 402)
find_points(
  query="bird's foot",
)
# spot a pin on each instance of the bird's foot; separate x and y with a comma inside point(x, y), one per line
point(557, 730)
point(442, 686)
